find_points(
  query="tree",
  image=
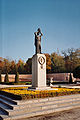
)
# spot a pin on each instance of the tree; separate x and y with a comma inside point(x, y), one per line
point(1, 64)
point(76, 72)
point(70, 78)
point(48, 63)
point(72, 59)
point(28, 66)
point(12, 67)
point(0, 78)
point(57, 63)
point(20, 66)
point(6, 80)
point(7, 64)
point(17, 78)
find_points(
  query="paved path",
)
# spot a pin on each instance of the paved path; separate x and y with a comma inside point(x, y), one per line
point(4, 86)
point(62, 85)
point(68, 85)
point(73, 114)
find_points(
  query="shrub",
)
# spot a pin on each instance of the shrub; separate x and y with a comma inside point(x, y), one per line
point(59, 86)
point(76, 72)
point(17, 78)
point(6, 80)
point(70, 78)
point(0, 78)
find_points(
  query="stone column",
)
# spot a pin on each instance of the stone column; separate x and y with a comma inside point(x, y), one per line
point(38, 71)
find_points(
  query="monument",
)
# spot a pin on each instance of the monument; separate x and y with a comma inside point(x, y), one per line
point(38, 64)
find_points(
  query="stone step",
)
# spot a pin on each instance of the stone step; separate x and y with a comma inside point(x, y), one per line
point(2, 114)
point(5, 117)
point(42, 103)
point(8, 99)
point(40, 100)
point(66, 107)
point(4, 111)
point(37, 106)
point(42, 107)
point(4, 106)
point(64, 97)
point(7, 103)
point(41, 112)
point(36, 102)
point(22, 106)
point(63, 104)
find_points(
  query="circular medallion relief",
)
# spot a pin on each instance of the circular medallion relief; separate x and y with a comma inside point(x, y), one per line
point(41, 60)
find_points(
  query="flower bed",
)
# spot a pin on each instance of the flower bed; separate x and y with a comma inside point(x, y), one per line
point(28, 94)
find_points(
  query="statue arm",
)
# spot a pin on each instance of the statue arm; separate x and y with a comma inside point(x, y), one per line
point(35, 33)
point(41, 34)
point(35, 38)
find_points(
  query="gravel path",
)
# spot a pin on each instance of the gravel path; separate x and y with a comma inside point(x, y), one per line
point(73, 114)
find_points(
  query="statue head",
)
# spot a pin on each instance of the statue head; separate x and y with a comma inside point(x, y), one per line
point(39, 30)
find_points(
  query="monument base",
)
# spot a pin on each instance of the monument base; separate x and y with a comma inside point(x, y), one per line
point(39, 71)
point(41, 88)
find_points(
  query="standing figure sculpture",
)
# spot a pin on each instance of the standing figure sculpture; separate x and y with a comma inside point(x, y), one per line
point(38, 35)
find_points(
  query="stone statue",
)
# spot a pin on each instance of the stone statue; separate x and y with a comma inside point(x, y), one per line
point(38, 35)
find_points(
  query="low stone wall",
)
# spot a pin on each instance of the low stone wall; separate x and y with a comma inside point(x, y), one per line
point(54, 77)
point(61, 77)
point(23, 77)
point(11, 77)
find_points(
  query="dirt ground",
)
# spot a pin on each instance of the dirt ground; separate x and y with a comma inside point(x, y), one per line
point(73, 114)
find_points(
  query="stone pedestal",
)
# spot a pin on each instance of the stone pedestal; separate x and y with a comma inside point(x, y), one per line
point(39, 71)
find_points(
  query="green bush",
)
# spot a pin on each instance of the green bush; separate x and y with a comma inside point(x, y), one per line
point(0, 78)
point(6, 80)
point(70, 78)
point(59, 86)
point(17, 78)
point(76, 72)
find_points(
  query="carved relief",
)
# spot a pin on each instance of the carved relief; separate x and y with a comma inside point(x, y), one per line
point(41, 61)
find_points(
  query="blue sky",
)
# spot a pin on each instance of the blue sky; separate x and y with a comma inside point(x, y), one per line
point(59, 21)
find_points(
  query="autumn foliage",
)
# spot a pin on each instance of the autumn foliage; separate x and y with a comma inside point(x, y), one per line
point(55, 63)
point(48, 63)
point(0, 78)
